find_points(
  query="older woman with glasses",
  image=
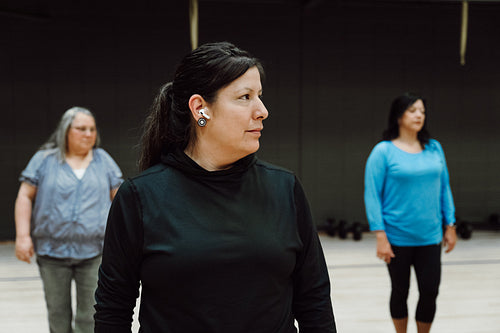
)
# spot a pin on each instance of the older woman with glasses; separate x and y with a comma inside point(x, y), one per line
point(61, 210)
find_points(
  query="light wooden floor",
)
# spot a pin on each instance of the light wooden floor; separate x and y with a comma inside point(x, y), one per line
point(469, 300)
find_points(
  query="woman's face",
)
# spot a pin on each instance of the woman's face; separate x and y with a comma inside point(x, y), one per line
point(413, 118)
point(236, 116)
point(82, 134)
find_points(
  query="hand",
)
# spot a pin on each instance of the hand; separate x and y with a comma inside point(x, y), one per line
point(24, 248)
point(450, 238)
point(384, 249)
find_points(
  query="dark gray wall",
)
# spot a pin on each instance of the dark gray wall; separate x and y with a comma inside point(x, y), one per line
point(358, 58)
point(109, 56)
point(332, 67)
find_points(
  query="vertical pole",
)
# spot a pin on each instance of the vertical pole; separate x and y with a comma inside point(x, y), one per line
point(463, 37)
point(300, 136)
point(193, 22)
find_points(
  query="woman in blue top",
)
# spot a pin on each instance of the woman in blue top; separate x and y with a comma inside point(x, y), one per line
point(408, 203)
point(61, 211)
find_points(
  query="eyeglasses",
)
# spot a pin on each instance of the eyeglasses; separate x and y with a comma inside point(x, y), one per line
point(84, 129)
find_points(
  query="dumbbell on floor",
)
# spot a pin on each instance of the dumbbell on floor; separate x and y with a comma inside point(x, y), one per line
point(356, 229)
point(464, 230)
point(342, 228)
point(330, 227)
point(494, 222)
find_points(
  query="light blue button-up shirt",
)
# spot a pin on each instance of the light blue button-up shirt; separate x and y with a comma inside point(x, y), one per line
point(69, 214)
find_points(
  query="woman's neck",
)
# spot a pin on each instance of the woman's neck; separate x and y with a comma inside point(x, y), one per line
point(79, 160)
point(409, 137)
point(206, 160)
point(408, 141)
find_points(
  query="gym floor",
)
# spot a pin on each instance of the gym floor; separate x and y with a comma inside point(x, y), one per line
point(469, 299)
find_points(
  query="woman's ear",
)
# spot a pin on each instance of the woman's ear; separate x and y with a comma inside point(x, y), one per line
point(196, 103)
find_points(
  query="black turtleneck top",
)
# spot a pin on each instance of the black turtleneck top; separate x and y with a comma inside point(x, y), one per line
point(230, 251)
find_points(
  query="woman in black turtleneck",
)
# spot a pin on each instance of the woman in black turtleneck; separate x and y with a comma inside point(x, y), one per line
point(219, 240)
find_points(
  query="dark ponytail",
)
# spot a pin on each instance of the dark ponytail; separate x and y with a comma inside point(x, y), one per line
point(169, 125)
point(155, 128)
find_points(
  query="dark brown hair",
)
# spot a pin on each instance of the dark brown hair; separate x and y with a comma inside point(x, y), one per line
point(204, 71)
point(398, 107)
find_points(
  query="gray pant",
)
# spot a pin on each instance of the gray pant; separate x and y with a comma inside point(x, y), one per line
point(57, 275)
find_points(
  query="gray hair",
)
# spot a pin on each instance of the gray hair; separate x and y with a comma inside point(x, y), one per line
point(58, 139)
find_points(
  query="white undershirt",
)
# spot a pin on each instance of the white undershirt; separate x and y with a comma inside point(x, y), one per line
point(79, 172)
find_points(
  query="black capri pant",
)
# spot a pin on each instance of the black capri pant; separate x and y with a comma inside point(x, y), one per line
point(426, 261)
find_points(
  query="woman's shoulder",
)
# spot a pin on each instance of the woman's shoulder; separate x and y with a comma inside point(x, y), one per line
point(434, 144)
point(270, 167)
point(48, 152)
point(150, 175)
point(101, 153)
point(45, 154)
point(274, 174)
point(382, 147)
point(147, 181)
point(42, 162)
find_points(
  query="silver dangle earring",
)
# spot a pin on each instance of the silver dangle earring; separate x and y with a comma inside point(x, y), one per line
point(202, 122)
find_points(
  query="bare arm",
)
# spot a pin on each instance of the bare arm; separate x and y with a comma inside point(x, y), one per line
point(22, 215)
point(450, 238)
point(384, 249)
point(112, 193)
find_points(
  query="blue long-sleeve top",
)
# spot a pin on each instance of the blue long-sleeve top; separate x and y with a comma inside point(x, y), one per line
point(408, 195)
